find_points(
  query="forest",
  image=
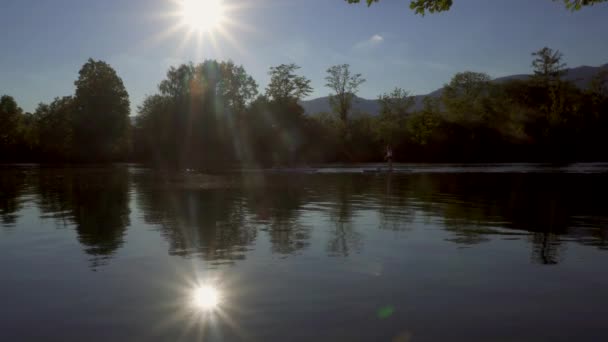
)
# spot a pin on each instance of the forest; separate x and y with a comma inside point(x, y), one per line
point(213, 116)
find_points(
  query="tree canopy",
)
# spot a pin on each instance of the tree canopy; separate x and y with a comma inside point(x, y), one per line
point(344, 85)
point(101, 112)
point(431, 6)
point(285, 85)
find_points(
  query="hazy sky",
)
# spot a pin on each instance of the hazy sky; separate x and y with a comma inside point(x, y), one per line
point(44, 43)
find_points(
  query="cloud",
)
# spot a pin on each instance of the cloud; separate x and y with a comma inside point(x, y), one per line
point(369, 43)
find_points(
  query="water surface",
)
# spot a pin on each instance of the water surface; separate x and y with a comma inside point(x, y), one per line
point(489, 252)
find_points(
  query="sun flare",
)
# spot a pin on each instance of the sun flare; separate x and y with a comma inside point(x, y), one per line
point(202, 15)
point(206, 298)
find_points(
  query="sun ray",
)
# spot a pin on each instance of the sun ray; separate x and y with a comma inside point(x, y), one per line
point(205, 40)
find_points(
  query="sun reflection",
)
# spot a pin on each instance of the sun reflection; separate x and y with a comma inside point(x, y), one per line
point(206, 298)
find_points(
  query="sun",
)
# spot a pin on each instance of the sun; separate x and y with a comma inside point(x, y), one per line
point(205, 298)
point(202, 15)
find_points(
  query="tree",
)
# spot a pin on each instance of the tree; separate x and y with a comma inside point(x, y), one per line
point(9, 120)
point(198, 118)
point(345, 86)
point(55, 134)
point(599, 84)
point(432, 6)
point(237, 87)
point(394, 111)
point(464, 96)
point(547, 66)
point(285, 85)
point(101, 113)
point(422, 125)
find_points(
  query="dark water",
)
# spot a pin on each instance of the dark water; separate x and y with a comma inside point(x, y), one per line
point(491, 253)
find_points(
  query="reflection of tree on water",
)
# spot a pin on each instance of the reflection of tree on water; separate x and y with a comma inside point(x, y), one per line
point(395, 211)
point(209, 222)
point(277, 206)
point(96, 201)
point(11, 187)
point(346, 192)
point(549, 206)
point(547, 249)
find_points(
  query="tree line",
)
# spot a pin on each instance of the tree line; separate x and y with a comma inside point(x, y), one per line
point(212, 116)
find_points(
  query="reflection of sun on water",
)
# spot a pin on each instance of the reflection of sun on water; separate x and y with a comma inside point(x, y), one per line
point(205, 298)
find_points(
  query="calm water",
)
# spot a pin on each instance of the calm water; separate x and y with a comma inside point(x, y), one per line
point(489, 253)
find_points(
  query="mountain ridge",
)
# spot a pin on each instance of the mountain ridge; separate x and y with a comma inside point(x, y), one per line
point(580, 76)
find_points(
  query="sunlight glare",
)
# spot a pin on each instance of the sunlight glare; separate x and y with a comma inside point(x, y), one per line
point(202, 15)
point(206, 298)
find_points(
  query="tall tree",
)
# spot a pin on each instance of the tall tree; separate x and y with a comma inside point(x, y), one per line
point(547, 66)
point(432, 6)
point(345, 86)
point(285, 85)
point(395, 107)
point(9, 120)
point(548, 71)
point(101, 112)
point(238, 88)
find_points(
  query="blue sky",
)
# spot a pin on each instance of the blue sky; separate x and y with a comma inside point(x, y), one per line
point(44, 43)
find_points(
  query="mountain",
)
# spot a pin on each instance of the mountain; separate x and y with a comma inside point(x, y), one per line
point(580, 76)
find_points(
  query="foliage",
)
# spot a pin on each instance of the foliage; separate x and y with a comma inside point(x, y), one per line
point(547, 66)
point(394, 111)
point(423, 6)
point(345, 86)
point(285, 85)
point(465, 96)
point(101, 113)
point(209, 116)
point(197, 118)
point(9, 121)
point(55, 134)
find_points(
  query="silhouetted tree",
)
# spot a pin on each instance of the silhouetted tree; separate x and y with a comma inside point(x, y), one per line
point(547, 66)
point(101, 113)
point(198, 115)
point(10, 115)
point(55, 129)
point(344, 86)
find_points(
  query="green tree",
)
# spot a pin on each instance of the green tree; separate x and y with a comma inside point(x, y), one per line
point(432, 6)
point(101, 113)
point(345, 86)
point(55, 133)
point(464, 96)
point(285, 85)
point(421, 126)
point(395, 107)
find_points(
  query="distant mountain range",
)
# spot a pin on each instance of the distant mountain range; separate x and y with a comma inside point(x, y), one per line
point(581, 76)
